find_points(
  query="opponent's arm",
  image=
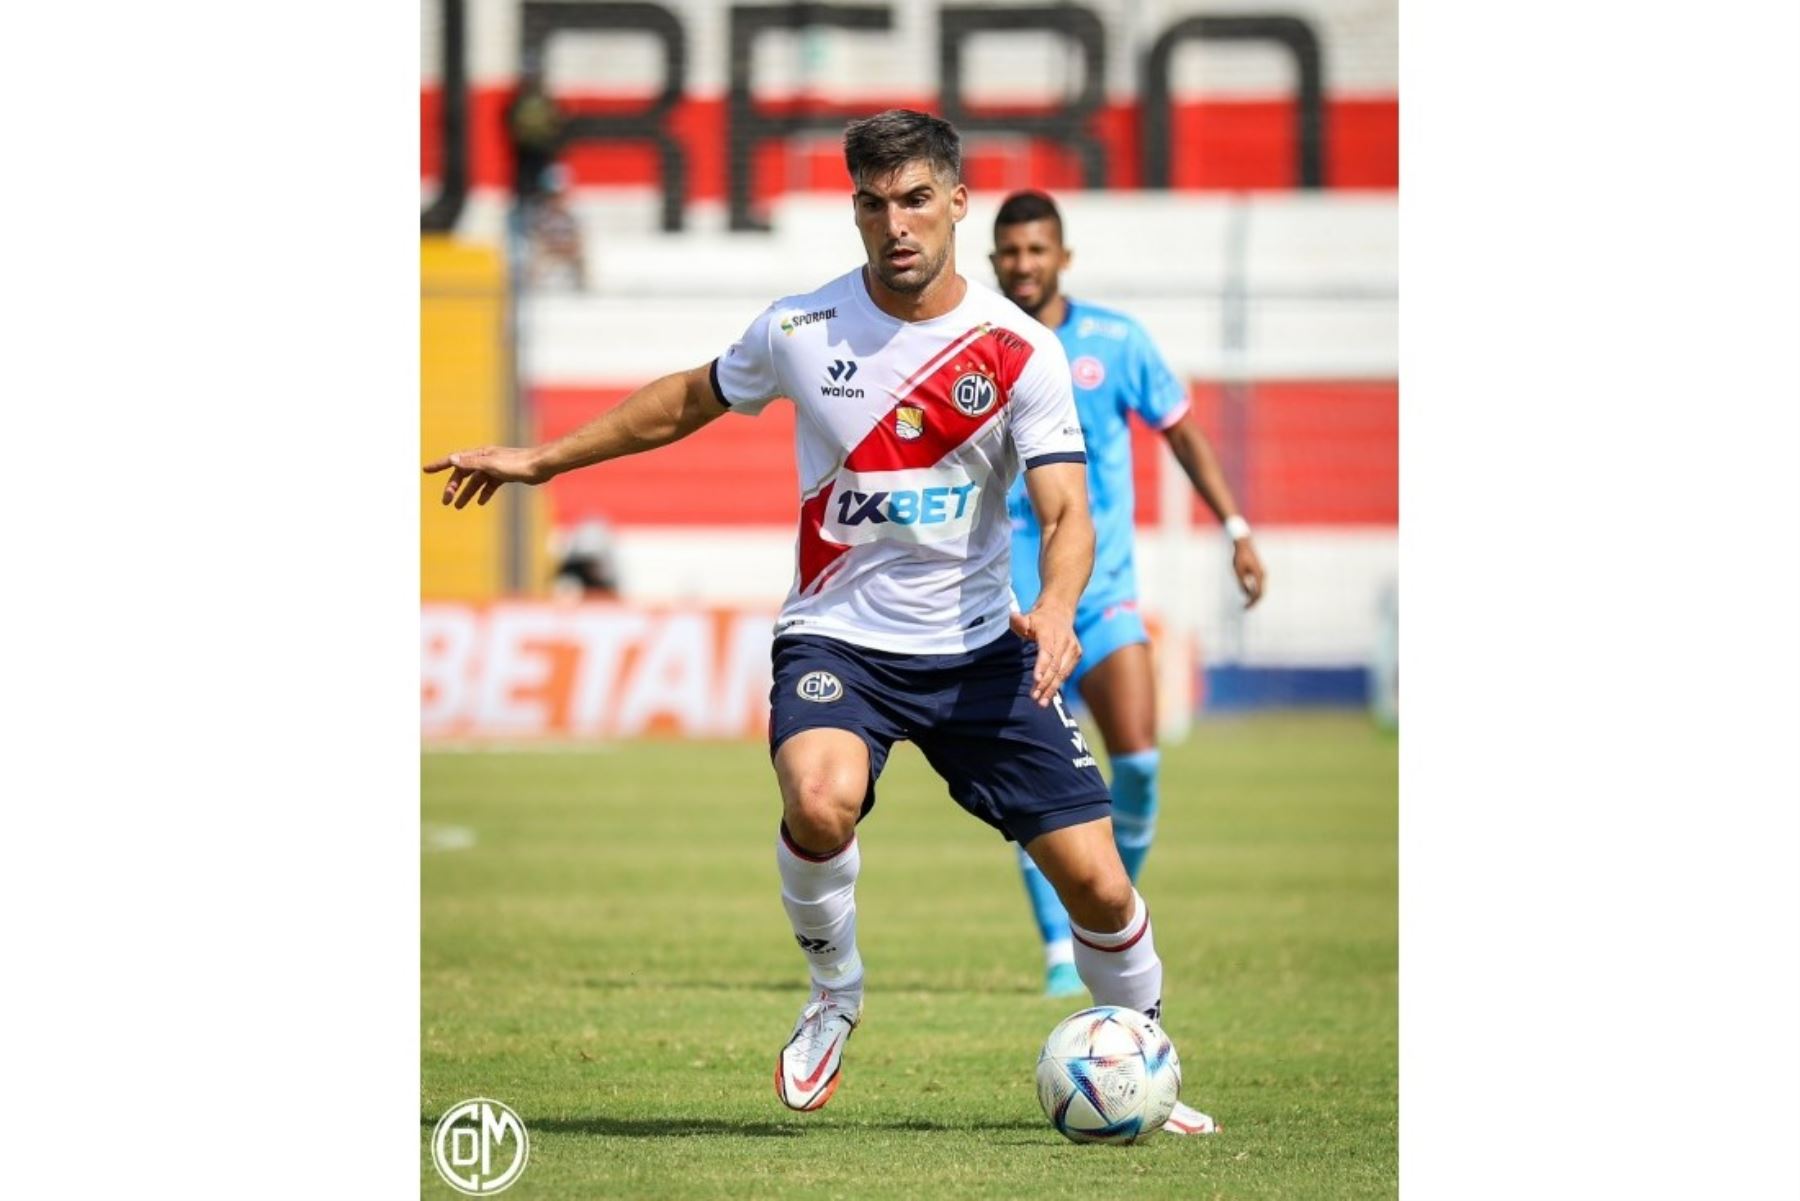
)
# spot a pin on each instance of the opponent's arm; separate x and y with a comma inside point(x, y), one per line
point(660, 412)
point(1195, 454)
point(1058, 493)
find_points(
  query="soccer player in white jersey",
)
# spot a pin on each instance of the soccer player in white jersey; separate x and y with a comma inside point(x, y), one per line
point(919, 396)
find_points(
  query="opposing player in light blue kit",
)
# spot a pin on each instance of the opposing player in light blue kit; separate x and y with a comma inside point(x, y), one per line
point(1117, 372)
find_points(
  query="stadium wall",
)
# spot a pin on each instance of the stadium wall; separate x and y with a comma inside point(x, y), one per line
point(1277, 304)
point(1361, 39)
point(1234, 106)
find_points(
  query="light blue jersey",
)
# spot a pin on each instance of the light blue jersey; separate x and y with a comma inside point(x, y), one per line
point(1117, 371)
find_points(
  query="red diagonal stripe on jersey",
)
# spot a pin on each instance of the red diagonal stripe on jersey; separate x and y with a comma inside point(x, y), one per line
point(956, 344)
point(816, 554)
point(998, 354)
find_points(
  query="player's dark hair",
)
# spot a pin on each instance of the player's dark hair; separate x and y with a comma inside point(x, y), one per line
point(882, 144)
point(1021, 208)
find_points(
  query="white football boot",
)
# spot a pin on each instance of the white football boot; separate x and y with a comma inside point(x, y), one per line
point(1188, 1120)
point(809, 1067)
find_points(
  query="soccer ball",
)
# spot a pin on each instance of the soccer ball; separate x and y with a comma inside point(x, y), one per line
point(1108, 1075)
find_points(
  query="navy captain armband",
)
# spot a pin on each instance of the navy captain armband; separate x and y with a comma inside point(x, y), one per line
point(1066, 456)
point(712, 375)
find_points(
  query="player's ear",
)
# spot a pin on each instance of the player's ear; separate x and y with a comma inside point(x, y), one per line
point(959, 202)
point(1068, 256)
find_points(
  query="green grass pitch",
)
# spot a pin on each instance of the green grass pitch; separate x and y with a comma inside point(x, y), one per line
point(605, 951)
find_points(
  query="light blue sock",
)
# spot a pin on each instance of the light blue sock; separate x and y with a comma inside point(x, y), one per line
point(1134, 806)
point(1046, 906)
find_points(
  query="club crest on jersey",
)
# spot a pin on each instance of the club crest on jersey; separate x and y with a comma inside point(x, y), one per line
point(820, 686)
point(1088, 371)
point(909, 422)
point(974, 394)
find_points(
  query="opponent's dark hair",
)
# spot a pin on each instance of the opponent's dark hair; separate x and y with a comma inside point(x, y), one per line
point(1023, 207)
point(878, 145)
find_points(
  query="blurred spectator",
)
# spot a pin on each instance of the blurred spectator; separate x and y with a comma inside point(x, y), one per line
point(535, 123)
point(553, 235)
point(587, 563)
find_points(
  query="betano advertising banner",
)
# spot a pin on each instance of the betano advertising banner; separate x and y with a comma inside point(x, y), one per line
point(558, 671)
point(530, 670)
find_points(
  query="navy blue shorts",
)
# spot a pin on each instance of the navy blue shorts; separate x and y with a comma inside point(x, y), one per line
point(1022, 768)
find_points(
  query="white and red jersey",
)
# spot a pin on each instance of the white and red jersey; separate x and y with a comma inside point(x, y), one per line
point(908, 435)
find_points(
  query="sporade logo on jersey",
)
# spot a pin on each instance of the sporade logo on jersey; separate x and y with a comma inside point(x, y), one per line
point(794, 321)
point(974, 394)
point(840, 372)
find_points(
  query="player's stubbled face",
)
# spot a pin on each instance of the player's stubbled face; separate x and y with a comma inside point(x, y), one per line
point(1028, 258)
point(908, 224)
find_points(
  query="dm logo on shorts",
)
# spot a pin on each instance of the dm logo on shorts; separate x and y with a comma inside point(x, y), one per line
point(909, 422)
point(974, 394)
point(819, 686)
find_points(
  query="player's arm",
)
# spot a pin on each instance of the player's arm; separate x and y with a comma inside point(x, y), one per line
point(1195, 454)
point(660, 412)
point(1058, 494)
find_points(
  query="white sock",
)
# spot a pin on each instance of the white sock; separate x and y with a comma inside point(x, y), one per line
point(820, 897)
point(1122, 968)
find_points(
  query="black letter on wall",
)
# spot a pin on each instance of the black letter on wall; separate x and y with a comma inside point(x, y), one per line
point(453, 138)
point(1291, 32)
point(746, 127)
point(1067, 126)
point(542, 19)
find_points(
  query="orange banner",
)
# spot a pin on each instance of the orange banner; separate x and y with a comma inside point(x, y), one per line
point(524, 670)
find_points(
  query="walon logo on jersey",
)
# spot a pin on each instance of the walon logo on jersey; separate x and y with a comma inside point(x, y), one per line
point(933, 504)
point(841, 372)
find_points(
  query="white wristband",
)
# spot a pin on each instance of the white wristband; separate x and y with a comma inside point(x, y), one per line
point(1236, 528)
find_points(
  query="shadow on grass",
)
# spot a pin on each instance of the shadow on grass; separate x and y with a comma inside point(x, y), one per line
point(795, 987)
point(926, 1124)
point(653, 1127)
point(665, 1128)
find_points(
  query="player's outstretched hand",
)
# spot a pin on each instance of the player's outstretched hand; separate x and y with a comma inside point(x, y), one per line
point(475, 475)
point(1058, 649)
point(1248, 568)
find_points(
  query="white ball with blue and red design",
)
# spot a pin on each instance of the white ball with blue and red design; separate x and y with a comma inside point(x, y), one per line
point(1108, 1075)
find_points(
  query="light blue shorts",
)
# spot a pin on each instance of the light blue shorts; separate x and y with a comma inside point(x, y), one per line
point(1104, 629)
